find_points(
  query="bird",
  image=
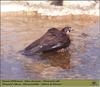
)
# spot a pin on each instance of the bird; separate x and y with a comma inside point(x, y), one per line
point(53, 40)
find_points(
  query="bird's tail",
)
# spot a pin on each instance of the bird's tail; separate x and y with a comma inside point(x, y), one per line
point(30, 52)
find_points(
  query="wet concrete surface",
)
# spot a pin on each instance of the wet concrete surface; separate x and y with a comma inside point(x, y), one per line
point(81, 61)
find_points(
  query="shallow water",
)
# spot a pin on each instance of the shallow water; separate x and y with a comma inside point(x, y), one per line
point(81, 61)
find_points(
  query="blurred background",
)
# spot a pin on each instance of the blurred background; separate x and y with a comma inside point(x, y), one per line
point(52, 7)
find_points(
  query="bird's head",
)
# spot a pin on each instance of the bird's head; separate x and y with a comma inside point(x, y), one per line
point(66, 29)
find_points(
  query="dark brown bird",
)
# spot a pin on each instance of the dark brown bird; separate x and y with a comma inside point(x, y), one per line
point(52, 40)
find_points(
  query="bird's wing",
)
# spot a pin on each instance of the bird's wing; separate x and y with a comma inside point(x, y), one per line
point(47, 47)
point(53, 38)
point(46, 38)
point(53, 41)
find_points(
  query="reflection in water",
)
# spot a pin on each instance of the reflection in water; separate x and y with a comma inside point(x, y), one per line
point(61, 59)
point(46, 65)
